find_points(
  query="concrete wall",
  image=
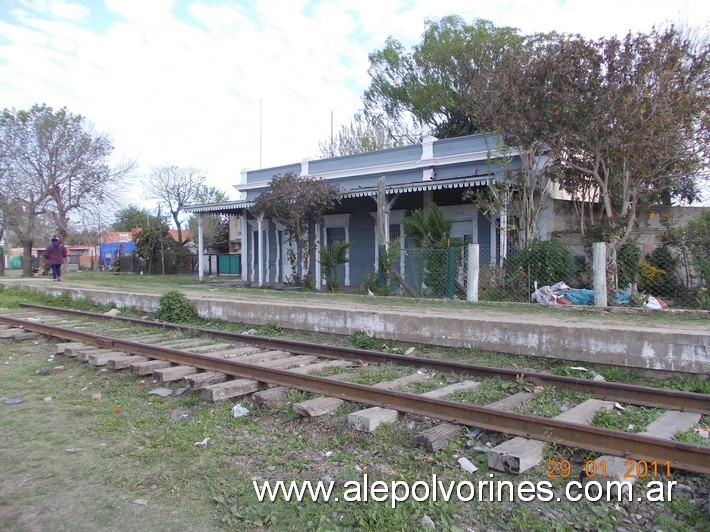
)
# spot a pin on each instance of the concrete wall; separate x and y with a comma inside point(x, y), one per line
point(664, 348)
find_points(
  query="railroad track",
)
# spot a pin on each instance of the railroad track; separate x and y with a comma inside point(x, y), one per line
point(247, 363)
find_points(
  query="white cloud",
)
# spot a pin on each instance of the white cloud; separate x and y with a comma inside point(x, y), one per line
point(180, 82)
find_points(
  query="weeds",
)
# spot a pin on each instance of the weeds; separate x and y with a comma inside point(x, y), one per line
point(175, 307)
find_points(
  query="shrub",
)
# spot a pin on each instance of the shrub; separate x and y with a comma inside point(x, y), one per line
point(175, 307)
point(544, 261)
point(628, 261)
point(330, 258)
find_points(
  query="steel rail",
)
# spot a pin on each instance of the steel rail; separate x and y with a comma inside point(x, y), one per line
point(635, 446)
point(613, 391)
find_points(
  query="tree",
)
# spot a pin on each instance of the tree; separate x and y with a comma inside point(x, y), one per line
point(52, 163)
point(359, 137)
point(625, 121)
point(215, 227)
point(631, 120)
point(430, 85)
point(131, 217)
point(296, 202)
point(509, 101)
point(175, 188)
point(152, 243)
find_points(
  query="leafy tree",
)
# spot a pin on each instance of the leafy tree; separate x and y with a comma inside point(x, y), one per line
point(153, 243)
point(131, 217)
point(430, 85)
point(627, 120)
point(53, 163)
point(296, 202)
point(215, 227)
point(359, 137)
point(175, 188)
point(508, 101)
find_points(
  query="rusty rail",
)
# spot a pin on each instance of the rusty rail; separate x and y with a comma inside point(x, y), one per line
point(681, 455)
point(612, 391)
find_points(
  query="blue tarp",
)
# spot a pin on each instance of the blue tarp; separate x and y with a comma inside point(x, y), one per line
point(579, 296)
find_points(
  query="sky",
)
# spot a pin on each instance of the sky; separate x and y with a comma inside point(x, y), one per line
point(226, 85)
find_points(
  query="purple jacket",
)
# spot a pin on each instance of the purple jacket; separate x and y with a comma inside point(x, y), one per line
point(55, 253)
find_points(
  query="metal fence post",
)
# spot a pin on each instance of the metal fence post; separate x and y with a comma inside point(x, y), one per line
point(472, 273)
point(599, 266)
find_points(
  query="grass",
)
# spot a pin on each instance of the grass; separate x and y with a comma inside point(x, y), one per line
point(631, 419)
point(224, 286)
point(77, 463)
point(552, 402)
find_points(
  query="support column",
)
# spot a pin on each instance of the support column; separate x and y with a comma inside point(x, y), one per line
point(319, 236)
point(279, 255)
point(347, 264)
point(243, 246)
point(260, 247)
point(267, 253)
point(200, 247)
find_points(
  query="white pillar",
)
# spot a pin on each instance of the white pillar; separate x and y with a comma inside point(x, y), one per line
point(599, 266)
point(319, 236)
point(244, 248)
point(503, 232)
point(473, 273)
point(347, 264)
point(267, 253)
point(200, 247)
point(279, 255)
point(260, 247)
point(252, 255)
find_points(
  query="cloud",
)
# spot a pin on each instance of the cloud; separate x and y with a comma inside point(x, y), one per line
point(223, 85)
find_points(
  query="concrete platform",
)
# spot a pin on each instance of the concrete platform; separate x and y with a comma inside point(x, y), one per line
point(562, 333)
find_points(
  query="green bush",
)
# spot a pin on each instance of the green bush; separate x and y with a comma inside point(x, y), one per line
point(628, 261)
point(544, 261)
point(175, 307)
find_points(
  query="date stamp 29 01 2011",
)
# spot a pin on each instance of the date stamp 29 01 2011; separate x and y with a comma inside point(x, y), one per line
point(592, 468)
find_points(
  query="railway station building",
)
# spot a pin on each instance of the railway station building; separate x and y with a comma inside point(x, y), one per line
point(433, 171)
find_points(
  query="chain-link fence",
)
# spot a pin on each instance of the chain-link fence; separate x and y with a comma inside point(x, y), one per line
point(675, 273)
point(170, 262)
point(551, 272)
point(521, 272)
point(436, 273)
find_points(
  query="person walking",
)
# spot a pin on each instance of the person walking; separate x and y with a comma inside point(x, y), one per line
point(55, 255)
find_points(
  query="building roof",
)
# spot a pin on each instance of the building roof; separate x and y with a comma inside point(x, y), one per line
point(414, 186)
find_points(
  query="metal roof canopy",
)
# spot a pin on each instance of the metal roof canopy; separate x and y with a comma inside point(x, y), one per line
point(414, 186)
